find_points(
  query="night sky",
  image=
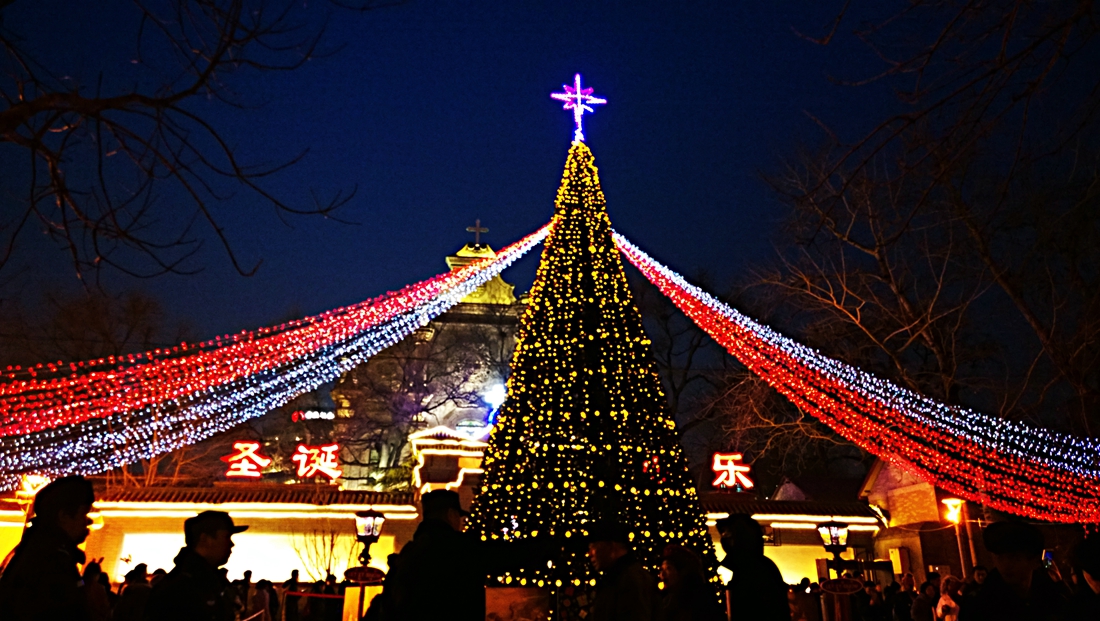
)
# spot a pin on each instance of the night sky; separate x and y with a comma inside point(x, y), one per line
point(440, 113)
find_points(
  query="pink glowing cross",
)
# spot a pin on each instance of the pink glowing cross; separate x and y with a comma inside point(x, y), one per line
point(577, 100)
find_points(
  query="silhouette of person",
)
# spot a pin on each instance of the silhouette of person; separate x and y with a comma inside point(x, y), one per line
point(135, 595)
point(756, 590)
point(1085, 603)
point(625, 591)
point(687, 596)
point(441, 573)
point(195, 589)
point(1017, 588)
point(41, 580)
point(924, 604)
point(290, 601)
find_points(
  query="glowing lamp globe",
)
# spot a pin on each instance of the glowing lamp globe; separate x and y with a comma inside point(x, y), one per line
point(368, 525)
point(954, 509)
point(834, 535)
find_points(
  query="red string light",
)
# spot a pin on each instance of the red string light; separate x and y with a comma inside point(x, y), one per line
point(1006, 466)
point(93, 416)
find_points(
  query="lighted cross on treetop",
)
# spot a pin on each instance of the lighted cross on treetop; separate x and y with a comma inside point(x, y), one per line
point(577, 100)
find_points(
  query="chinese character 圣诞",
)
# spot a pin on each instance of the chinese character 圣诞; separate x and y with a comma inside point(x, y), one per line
point(247, 462)
point(314, 460)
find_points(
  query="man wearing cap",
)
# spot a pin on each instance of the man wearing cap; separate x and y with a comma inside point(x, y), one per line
point(195, 590)
point(41, 582)
point(624, 591)
point(441, 573)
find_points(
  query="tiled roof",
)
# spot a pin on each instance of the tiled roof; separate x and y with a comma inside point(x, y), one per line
point(259, 493)
point(736, 503)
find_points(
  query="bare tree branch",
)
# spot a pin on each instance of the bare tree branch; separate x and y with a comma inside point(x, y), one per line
point(126, 179)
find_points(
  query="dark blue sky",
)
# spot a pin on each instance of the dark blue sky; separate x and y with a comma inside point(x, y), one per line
point(439, 112)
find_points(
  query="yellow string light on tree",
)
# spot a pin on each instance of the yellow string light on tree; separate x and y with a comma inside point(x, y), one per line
point(585, 433)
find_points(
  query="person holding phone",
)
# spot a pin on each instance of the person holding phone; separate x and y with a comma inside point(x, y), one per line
point(1017, 589)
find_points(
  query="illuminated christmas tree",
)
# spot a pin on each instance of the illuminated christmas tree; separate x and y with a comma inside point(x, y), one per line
point(585, 433)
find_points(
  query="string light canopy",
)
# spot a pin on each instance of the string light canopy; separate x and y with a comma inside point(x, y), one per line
point(91, 416)
point(1003, 464)
point(83, 418)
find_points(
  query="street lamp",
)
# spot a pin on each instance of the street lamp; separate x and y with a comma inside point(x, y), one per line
point(955, 508)
point(834, 535)
point(368, 527)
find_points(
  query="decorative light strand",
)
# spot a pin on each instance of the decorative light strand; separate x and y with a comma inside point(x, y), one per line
point(197, 396)
point(1006, 465)
point(585, 433)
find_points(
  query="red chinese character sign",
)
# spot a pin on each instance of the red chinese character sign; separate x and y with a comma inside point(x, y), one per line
point(247, 462)
point(729, 472)
point(318, 460)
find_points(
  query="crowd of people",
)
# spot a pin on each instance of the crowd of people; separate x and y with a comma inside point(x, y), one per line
point(441, 574)
point(293, 600)
point(1020, 586)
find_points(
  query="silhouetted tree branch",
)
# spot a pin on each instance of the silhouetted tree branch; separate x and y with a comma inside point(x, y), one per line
point(953, 246)
point(125, 170)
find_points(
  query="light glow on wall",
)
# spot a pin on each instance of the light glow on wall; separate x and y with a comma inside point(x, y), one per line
point(267, 555)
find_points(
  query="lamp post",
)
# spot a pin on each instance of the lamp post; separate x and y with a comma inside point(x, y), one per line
point(955, 507)
point(834, 535)
point(368, 527)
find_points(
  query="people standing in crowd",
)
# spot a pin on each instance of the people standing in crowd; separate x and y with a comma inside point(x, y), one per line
point(1017, 588)
point(868, 604)
point(291, 597)
point(796, 609)
point(924, 604)
point(442, 571)
point(808, 599)
point(974, 584)
point(1085, 602)
point(135, 595)
point(195, 590)
point(41, 581)
point(903, 599)
point(935, 578)
point(381, 607)
point(889, 598)
point(273, 601)
point(95, 595)
point(334, 608)
point(313, 608)
point(157, 575)
point(624, 590)
point(244, 591)
point(947, 608)
point(261, 602)
point(687, 596)
point(756, 590)
point(105, 580)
